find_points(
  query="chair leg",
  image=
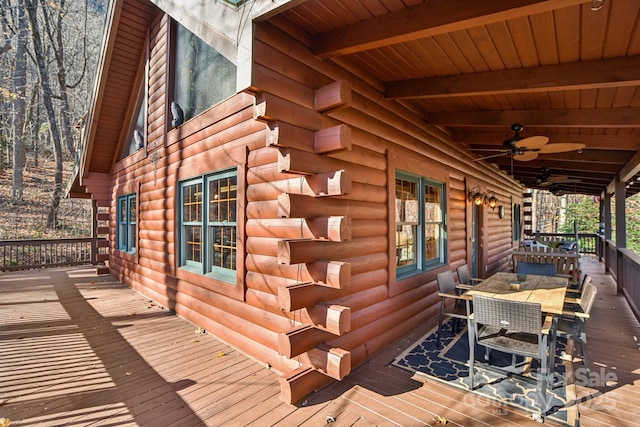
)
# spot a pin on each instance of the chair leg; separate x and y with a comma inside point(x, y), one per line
point(472, 339)
point(543, 378)
point(582, 336)
point(440, 325)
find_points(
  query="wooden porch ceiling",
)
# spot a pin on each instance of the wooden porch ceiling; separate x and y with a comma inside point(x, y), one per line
point(473, 68)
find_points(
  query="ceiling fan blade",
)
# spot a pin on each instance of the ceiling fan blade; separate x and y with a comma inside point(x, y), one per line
point(560, 147)
point(532, 142)
point(526, 156)
point(491, 156)
point(565, 181)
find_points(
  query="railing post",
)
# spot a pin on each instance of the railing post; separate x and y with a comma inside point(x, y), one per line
point(94, 233)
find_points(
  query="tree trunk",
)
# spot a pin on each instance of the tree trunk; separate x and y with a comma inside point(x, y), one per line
point(19, 104)
point(32, 12)
point(55, 36)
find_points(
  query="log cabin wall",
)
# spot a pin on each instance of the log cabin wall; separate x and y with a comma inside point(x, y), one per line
point(317, 148)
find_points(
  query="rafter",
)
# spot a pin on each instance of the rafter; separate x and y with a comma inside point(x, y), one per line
point(608, 73)
point(426, 20)
point(570, 118)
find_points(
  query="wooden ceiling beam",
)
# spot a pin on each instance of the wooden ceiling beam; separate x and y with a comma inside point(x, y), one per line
point(607, 73)
point(568, 118)
point(426, 20)
point(631, 169)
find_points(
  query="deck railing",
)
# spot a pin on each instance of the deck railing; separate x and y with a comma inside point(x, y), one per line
point(624, 265)
point(43, 253)
point(588, 242)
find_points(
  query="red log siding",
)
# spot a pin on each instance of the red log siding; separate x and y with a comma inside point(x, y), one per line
point(287, 77)
point(335, 274)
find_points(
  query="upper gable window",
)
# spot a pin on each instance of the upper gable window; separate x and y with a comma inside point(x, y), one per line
point(202, 76)
point(136, 135)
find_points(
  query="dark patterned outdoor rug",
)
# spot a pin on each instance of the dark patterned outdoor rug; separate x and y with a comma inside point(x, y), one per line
point(449, 364)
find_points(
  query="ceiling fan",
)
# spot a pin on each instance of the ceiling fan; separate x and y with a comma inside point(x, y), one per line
point(547, 179)
point(527, 149)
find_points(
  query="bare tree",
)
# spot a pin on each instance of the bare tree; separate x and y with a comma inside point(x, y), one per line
point(52, 22)
point(19, 104)
point(47, 95)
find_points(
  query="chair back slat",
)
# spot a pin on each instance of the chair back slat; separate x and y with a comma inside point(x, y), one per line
point(567, 263)
point(446, 282)
point(463, 274)
point(588, 297)
point(505, 314)
point(536, 268)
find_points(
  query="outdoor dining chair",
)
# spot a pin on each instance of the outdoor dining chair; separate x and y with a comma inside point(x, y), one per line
point(536, 268)
point(513, 327)
point(464, 278)
point(572, 322)
point(448, 293)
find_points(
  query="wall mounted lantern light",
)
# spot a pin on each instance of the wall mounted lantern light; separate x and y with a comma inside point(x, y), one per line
point(492, 201)
point(476, 196)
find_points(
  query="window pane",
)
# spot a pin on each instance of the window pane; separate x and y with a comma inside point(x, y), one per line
point(432, 241)
point(122, 209)
point(432, 204)
point(193, 246)
point(132, 209)
point(223, 247)
point(222, 199)
point(133, 214)
point(203, 77)
point(407, 221)
point(405, 245)
point(137, 132)
point(192, 203)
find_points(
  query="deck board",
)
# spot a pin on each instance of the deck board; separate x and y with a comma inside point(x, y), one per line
point(80, 349)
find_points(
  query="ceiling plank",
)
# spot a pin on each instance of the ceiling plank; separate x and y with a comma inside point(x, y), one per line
point(608, 73)
point(595, 117)
point(426, 20)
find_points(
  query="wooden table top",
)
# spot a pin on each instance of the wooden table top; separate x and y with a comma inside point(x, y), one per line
point(549, 292)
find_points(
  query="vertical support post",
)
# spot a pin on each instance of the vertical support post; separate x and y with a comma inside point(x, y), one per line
point(94, 233)
point(606, 218)
point(621, 231)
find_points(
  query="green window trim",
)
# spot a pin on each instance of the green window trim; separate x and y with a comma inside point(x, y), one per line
point(421, 236)
point(208, 225)
point(127, 223)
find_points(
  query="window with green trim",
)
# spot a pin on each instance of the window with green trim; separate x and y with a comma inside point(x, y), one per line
point(208, 225)
point(420, 224)
point(127, 218)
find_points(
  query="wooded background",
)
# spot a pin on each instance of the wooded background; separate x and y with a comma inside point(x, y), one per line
point(48, 56)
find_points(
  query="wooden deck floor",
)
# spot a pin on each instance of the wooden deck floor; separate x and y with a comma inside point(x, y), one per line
point(79, 349)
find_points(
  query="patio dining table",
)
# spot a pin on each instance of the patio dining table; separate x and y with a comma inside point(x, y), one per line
point(548, 291)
